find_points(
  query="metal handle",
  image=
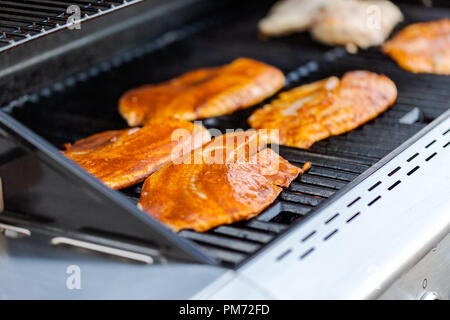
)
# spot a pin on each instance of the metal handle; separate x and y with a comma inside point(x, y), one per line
point(430, 295)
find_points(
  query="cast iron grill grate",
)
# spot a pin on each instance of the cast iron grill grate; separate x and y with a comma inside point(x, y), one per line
point(23, 20)
point(86, 103)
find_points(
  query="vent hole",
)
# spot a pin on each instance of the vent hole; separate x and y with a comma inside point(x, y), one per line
point(413, 170)
point(410, 159)
point(330, 235)
point(394, 171)
point(353, 217)
point(375, 185)
point(431, 157)
point(374, 200)
point(353, 202)
point(332, 218)
point(286, 217)
point(303, 256)
point(430, 144)
point(309, 236)
point(446, 132)
point(394, 185)
point(446, 145)
point(284, 254)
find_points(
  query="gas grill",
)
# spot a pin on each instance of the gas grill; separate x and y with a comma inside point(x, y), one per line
point(361, 223)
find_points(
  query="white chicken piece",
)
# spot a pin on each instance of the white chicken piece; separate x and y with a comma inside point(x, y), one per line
point(288, 16)
point(355, 23)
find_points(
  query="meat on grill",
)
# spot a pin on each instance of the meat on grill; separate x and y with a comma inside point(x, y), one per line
point(203, 93)
point(422, 47)
point(355, 23)
point(121, 158)
point(331, 106)
point(288, 16)
point(204, 195)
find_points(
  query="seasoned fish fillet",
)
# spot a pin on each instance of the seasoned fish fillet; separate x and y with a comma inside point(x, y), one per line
point(355, 23)
point(288, 16)
point(422, 47)
point(205, 195)
point(315, 111)
point(203, 93)
point(121, 158)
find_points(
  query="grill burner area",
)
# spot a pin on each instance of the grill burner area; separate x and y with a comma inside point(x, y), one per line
point(87, 103)
point(23, 20)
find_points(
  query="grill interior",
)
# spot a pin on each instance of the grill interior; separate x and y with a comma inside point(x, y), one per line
point(22, 20)
point(86, 103)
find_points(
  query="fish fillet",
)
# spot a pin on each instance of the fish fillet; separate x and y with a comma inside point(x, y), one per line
point(331, 106)
point(205, 195)
point(422, 47)
point(121, 158)
point(203, 93)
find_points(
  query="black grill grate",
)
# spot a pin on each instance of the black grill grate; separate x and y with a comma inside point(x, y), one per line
point(23, 20)
point(86, 103)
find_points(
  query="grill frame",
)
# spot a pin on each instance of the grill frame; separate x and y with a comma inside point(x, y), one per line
point(51, 20)
point(328, 55)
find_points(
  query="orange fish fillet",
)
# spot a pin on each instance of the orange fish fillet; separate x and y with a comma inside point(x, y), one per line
point(203, 93)
point(422, 47)
point(121, 158)
point(315, 111)
point(205, 195)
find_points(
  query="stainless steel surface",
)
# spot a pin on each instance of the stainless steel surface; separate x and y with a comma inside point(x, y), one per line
point(383, 227)
point(429, 279)
point(103, 249)
point(32, 269)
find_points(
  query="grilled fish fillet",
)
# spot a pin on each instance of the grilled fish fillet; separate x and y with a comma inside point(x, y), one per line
point(203, 93)
point(332, 106)
point(121, 158)
point(205, 195)
point(422, 47)
point(288, 16)
point(355, 23)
